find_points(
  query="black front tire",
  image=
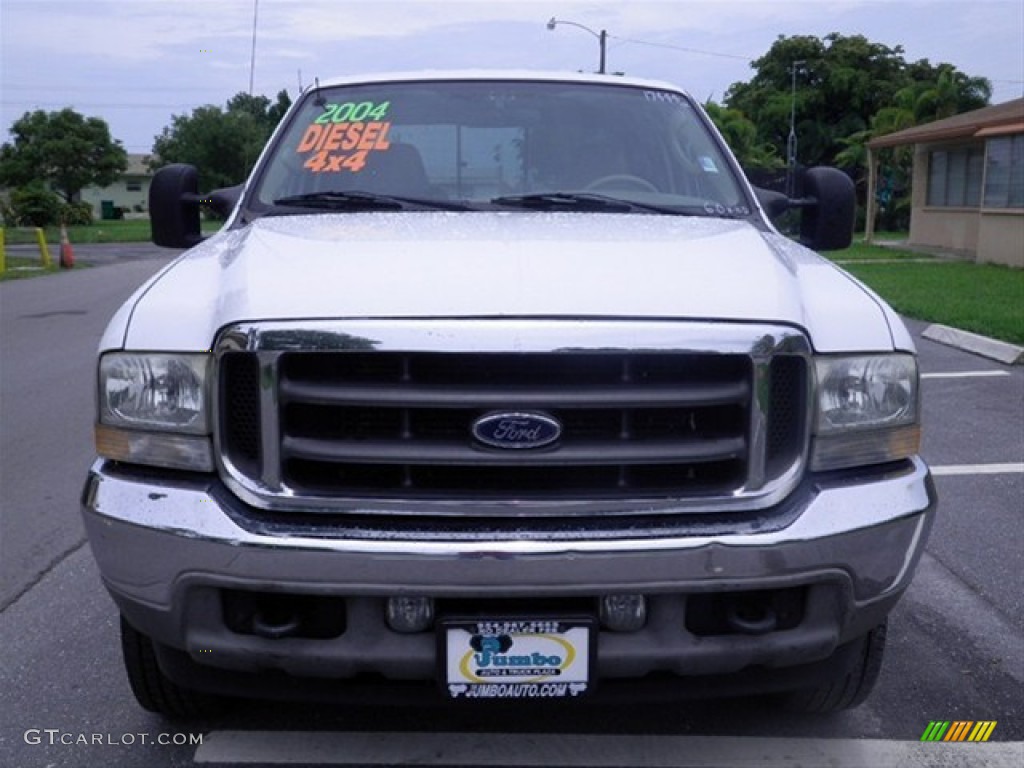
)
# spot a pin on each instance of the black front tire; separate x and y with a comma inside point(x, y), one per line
point(850, 682)
point(153, 690)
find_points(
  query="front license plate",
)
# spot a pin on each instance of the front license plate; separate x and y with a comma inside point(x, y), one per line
point(517, 658)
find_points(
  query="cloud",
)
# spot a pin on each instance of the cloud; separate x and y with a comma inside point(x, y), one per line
point(136, 31)
point(122, 60)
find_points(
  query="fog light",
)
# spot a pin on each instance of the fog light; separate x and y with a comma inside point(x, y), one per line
point(410, 614)
point(623, 613)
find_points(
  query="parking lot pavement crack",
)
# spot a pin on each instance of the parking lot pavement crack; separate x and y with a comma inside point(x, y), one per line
point(8, 600)
point(940, 589)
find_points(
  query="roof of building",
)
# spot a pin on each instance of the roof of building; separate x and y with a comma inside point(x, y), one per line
point(1008, 116)
point(137, 165)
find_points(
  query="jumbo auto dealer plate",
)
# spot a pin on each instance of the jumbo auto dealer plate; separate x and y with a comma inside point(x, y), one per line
point(517, 658)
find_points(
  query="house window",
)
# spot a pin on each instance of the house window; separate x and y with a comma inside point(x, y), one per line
point(1004, 179)
point(133, 186)
point(954, 177)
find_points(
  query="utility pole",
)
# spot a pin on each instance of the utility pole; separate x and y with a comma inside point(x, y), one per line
point(252, 58)
point(791, 143)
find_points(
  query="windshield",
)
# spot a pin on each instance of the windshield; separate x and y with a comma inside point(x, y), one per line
point(500, 144)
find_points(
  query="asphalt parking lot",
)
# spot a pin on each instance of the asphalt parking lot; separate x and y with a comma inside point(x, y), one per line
point(956, 647)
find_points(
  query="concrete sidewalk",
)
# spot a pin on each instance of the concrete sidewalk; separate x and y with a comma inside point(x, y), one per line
point(935, 252)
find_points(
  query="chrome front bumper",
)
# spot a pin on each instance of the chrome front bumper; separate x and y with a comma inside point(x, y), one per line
point(164, 550)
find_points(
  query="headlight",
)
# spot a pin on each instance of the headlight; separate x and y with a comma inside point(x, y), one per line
point(154, 391)
point(875, 391)
point(867, 410)
point(143, 397)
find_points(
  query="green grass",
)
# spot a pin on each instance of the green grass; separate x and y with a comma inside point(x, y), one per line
point(121, 231)
point(116, 231)
point(983, 298)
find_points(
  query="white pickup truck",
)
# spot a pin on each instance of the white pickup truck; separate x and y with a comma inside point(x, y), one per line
point(504, 385)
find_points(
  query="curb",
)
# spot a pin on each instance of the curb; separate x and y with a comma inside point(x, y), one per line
point(993, 349)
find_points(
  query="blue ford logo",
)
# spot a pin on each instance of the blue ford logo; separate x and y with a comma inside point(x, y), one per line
point(516, 430)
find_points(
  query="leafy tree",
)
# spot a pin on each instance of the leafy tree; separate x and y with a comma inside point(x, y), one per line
point(65, 149)
point(222, 143)
point(849, 90)
point(840, 83)
point(741, 136)
point(266, 114)
point(845, 86)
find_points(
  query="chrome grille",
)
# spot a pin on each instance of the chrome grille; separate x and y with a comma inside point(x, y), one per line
point(373, 423)
point(338, 427)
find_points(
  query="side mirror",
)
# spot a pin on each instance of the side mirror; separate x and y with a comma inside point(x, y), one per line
point(174, 206)
point(830, 205)
point(174, 202)
point(827, 209)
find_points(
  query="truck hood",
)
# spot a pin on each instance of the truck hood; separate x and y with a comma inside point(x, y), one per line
point(499, 264)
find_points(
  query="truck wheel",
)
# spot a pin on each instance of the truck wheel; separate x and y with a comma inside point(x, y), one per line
point(153, 690)
point(855, 671)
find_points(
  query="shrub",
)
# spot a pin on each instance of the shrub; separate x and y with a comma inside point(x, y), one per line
point(76, 214)
point(35, 206)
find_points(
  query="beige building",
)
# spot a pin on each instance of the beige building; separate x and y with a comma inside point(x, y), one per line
point(130, 192)
point(968, 184)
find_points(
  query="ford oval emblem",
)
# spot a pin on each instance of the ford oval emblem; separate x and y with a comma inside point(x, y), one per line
point(516, 430)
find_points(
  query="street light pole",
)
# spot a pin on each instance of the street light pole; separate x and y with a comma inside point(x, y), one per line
point(602, 38)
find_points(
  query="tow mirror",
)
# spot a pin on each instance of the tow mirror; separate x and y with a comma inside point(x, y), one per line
point(827, 208)
point(830, 204)
point(174, 206)
point(174, 203)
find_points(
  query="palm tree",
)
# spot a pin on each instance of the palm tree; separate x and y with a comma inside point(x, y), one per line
point(952, 92)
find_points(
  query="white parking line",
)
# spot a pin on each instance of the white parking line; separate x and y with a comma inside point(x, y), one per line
point(964, 374)
point(979, 469)
point(597, 751)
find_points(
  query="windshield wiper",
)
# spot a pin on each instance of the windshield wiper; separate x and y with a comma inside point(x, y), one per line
point(578, 201)
point(357, 199)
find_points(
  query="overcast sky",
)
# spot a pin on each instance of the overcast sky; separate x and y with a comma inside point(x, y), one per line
point(136, 63)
